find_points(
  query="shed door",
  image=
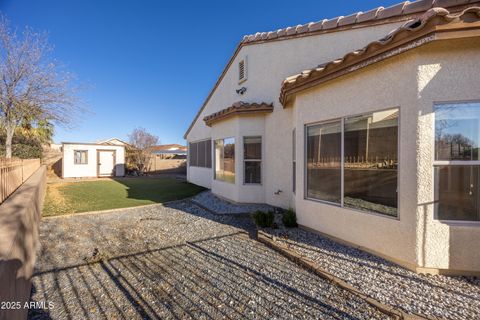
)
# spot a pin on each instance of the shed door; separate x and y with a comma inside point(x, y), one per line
point(106, 163)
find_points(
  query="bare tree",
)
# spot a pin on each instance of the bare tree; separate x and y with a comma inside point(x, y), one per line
point(142, 143)
point(31, 83)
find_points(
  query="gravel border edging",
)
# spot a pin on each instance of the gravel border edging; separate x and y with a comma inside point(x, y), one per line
point(307, 263)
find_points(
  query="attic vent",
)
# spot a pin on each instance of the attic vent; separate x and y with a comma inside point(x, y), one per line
point(242, 70)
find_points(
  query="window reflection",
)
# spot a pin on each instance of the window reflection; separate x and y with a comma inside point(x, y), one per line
point(324, 161)
point(225, 160)
point(457, 131)
point(371, 161)
point(457, 183)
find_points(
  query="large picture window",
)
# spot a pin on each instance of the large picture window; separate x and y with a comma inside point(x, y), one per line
point(353, 162)
point(457, 161)
point(200, 154)
point(225, 160)
point(252, 155)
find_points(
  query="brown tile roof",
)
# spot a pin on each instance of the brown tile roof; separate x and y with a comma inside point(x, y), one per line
point(400, 12)
point(412, 34)
point(370, 17)
point(238, 108)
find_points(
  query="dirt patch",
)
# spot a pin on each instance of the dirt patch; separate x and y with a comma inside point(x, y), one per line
point(56, 198)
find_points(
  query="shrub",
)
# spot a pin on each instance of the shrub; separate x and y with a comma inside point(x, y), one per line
point(22, 147)
point(264, 219)
point(289, 219)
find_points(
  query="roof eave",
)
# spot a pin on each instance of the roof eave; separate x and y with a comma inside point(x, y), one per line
point(405, 42)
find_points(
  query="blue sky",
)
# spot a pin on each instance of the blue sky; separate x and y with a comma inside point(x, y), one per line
point(151, 63)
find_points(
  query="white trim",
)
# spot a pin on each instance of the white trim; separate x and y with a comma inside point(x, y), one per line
point(253, 160)
point(214, 168)
point(437, 163)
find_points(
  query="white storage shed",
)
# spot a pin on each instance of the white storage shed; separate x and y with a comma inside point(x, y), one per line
point(82, 160)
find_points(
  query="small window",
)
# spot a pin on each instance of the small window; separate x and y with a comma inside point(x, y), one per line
point(457, 161)
point(242, 70)
point(80, 156)
point(252, 155)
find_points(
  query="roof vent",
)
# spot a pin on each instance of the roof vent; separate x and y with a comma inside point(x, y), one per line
point(242, 70)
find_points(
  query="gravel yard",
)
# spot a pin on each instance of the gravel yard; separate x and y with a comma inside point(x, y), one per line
point(208, 200)
point(427, 295)
point(176, 262)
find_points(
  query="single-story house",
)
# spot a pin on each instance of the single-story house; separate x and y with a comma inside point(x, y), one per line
point(170, 151)
point(367, 125)
point(82, 160)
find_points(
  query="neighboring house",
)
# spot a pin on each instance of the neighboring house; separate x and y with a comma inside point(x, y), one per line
point(170, 151)
point(377, 147)
point(81, 160)
point(116, 142)
point(168, 158)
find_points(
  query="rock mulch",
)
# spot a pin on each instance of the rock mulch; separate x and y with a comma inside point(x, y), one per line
point(432, 296)
point(215, 204)
point(176, 262)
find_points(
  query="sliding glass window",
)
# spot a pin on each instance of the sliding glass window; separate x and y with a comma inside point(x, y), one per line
point(225, 160)
point(323, 161)
point(252, 154)
point(457, 161)
point(353, 162)
point(371, 162)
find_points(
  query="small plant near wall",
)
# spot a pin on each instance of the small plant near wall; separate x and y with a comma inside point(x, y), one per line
point(264, 219)
point(289, 219)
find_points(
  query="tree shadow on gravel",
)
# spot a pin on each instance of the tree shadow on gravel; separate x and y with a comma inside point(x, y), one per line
point(376, 276)
point(228, 276)
point(242, 221)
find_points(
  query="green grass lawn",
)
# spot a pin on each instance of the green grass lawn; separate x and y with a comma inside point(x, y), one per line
point(73, 197)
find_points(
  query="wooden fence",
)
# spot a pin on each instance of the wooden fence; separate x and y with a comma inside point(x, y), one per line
point(13, 173)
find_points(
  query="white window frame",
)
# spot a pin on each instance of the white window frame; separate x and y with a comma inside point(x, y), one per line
point(437, 163)
point(253, 160)
point(75, 157)
point(214, 160)
point(342, 163)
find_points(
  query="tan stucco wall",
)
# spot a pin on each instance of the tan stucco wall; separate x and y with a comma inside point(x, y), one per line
point(268, 65)
point(20, 217)
point(72, 170)
point(444, 71)
point(447, 71)
point(239, 127)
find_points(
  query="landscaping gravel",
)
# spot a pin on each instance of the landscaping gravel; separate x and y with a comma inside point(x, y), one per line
point(176, 262)
point(427, 295)
point(220, 206)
